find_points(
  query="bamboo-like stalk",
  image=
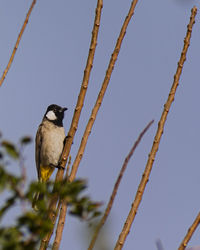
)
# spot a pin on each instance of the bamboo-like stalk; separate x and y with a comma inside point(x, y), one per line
point(60, 227)
point(116, 186)
point(76, 116)
point(190, 232)
point(145, 177)
point(96, 108)
point(17, 42)
point(105, 83)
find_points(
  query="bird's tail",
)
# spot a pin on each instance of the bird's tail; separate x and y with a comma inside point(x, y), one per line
point(45, 173)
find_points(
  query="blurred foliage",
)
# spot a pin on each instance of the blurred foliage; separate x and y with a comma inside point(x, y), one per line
point(31, 226)
point(11, 149)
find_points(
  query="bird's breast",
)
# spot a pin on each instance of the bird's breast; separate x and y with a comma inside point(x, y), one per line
point(52, 145)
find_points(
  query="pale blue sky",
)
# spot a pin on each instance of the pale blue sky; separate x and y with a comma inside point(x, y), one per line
point(48, 68)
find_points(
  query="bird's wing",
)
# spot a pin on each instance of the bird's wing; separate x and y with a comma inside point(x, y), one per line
point(38, 145)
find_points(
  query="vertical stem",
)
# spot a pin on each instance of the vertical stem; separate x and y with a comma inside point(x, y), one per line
point(100, 97)
point(17, 42)
point(116, 186)
point(190, 232)
point(97, 104)
point(145, 177)
point(75, 119)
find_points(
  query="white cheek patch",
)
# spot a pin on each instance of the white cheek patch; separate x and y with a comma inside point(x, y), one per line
point(51, 115)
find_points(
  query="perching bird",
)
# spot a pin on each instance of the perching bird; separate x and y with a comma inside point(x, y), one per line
point(49, 144)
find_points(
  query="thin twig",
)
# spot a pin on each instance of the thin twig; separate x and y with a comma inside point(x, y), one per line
point(58, 209)
point(68, 167)
point(190, 232)
point(76, 116)
point(95, 109)
point(17, 42)
point(60, 226)
point(97, 106)
point(105, 83)
point(116, 186)
point(145, 177)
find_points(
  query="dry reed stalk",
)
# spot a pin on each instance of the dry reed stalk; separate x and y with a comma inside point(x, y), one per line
point(17, 42)
point(116, 186)
point(105, 83)
point(76, 116)
point(190, 232)
point(96, 107)
point(145, 177)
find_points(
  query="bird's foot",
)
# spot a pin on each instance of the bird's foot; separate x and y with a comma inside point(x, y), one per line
point(57, 166)
point(60, 167)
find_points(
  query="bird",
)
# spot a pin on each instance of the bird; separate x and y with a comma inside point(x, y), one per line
point(49, 143)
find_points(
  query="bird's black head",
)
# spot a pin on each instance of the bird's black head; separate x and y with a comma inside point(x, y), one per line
point(55, 114)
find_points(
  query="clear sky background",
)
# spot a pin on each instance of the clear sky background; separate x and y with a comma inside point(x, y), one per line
point(48, 68)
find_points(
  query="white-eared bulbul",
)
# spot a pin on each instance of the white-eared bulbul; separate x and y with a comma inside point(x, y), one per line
point(49, 144)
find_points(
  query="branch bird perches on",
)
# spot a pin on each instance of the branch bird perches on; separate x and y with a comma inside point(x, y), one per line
point(75, 120)
point(96, 107)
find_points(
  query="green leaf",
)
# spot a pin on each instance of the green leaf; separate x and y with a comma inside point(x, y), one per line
point(10, 238)
point(35, 223)
point(10, 149)
point(8, 180)
point(9, 203)
point(25, 140)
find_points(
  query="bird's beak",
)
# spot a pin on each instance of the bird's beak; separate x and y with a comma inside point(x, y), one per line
point(64, 109)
